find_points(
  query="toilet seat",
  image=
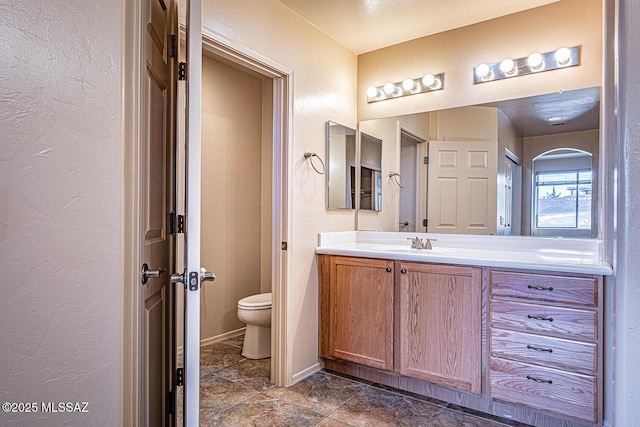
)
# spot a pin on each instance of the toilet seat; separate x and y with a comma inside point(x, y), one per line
point(256, 302)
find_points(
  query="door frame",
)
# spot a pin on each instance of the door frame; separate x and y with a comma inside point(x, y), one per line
point(132, 85)
point(421, 174)
point(219, 45)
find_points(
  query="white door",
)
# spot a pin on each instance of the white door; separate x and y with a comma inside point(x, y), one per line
point(462, 187)
point(193, 276)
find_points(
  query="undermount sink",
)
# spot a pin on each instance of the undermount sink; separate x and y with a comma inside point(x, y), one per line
point(403, 249)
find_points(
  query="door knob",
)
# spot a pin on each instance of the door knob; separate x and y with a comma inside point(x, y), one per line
point(206, 276)
point(145, 273)
point(179, 278)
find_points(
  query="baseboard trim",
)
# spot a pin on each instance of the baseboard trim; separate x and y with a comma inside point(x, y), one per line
point(307, 372)
point(215, 339)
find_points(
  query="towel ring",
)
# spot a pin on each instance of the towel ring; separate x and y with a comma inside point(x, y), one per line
point(397, 178)
point(310, 157)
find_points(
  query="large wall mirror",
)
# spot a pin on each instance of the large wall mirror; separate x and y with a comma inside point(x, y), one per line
point(525, 166)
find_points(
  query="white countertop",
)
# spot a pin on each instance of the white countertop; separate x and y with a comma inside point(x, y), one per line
point(534, 253)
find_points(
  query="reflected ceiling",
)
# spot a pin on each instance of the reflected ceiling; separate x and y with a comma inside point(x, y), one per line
point(366, 25)
point(575, 110)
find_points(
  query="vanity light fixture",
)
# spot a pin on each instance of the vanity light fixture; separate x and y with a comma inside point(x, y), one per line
point(426, 83)
point(536, 62)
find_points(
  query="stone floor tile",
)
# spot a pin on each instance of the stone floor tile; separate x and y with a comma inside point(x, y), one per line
point(321, 392)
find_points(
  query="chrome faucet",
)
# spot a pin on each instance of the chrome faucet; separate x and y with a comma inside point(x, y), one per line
point(417, 243)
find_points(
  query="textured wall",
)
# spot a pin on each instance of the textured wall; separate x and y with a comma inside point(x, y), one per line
point(60, 215)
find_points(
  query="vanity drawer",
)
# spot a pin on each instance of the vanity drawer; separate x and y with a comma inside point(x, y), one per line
point(554, 352)
point(544, 388)
point(544, 319)
point(542, 287)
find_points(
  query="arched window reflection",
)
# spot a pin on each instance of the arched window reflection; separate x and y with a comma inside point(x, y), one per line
point(562, 193)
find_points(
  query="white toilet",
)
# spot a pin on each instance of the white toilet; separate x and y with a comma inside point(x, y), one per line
point(255, 311)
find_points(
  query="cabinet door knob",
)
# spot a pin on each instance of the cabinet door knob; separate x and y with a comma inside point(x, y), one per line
point(403, 271)
point(388, 269)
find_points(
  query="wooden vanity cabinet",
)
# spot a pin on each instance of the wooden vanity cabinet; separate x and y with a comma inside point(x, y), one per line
point(440, 324)
point(437, 318)
point(359, 306)
point(546, 341)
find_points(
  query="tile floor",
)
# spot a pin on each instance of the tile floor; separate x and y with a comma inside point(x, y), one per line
point(235, 391)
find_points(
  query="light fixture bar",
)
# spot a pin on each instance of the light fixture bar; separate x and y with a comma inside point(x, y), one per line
point(534, 63)
point(426, 83)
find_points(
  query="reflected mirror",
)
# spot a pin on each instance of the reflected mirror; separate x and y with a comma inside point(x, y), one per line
point(341, 153)
point(370, 173)
point(492, 168)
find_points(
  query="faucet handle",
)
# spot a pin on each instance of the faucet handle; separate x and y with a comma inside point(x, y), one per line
point(427, 244)
point(416, 243)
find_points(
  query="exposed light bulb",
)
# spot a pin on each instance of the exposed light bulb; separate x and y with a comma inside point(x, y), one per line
point(484, 71)
point(390, 89)
point(535, 61)
point(409, 85)
point(508, 67)
point(563, 56)
point(373, 92)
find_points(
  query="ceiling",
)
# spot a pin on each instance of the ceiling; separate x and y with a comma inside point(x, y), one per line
point(366, 25)
point(576, 110)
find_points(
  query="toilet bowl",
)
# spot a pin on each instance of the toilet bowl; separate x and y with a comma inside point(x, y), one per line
point(255, 311)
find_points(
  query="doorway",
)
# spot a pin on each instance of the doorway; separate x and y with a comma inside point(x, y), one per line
point(245, 128)
point(410, 180)
point(236, 232)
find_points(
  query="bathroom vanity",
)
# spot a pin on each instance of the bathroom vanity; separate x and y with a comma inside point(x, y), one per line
point(508, 326)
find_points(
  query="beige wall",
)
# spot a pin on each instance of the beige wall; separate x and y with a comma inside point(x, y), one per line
point(324, 83)
point(456, 52)
point(234, 209)
point(61, 211)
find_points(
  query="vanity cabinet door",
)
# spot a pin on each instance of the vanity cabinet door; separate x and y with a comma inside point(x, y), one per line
point(361, 311)
point(440, 324)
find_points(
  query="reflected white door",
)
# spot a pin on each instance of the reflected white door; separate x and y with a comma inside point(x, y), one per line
point(462, 187)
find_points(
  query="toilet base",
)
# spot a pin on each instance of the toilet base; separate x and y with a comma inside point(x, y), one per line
point(257, 342)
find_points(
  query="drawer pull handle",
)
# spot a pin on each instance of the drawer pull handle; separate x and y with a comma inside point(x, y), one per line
point(540, 288)
point(539, 380)
point(403, 271)
point(530, 347)
point(388, 269)
point(550, 319)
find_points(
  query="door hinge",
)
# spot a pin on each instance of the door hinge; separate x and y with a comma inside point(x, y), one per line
point(426, 160)
point(180, 377)
point(182, 71)
point(283, 245)
point(176, 223)
point(425, 222)
point(171, 403)
point(173, 46)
